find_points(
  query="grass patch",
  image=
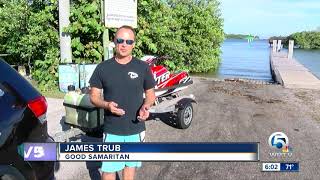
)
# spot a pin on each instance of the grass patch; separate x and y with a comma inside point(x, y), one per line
point(55, 93)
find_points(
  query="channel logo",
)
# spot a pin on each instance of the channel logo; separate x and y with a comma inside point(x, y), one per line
point(40, 152)
point(280, 142)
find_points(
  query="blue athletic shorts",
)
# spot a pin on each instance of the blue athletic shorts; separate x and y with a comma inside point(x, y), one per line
point(108, 166)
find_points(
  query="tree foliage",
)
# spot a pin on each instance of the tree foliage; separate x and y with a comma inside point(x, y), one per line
point(86, 31)
point(189, 31)
point(28, 33)
point(284, 40)
point(13, 27)
point(306, 39)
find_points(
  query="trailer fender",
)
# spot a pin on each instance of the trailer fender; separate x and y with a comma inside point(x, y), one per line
point(184, 101)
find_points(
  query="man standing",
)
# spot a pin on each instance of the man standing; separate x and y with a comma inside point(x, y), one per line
point(123, 80)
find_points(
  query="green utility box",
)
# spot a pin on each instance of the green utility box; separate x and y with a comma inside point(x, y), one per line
point(81, 113)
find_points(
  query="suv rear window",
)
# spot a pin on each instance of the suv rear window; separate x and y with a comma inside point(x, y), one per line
point(15, 83)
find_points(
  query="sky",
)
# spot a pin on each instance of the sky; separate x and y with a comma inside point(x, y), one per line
point(267, 18)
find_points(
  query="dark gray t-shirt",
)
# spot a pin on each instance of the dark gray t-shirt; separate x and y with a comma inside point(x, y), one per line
point(123, 84)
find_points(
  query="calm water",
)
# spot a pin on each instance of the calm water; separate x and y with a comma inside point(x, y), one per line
point(310, 59)
point(241, 59)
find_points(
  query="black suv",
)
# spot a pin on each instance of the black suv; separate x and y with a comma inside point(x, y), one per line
point(22, 119)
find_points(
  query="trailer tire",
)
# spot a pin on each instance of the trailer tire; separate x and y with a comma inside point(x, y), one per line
point(185, 116)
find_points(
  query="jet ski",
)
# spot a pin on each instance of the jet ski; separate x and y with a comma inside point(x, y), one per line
point(167, 83)
point(167, 90)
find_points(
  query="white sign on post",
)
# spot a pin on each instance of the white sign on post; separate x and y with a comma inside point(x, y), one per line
point(120, 12)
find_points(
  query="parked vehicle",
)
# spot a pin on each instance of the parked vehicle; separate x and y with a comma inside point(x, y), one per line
point(22, 119)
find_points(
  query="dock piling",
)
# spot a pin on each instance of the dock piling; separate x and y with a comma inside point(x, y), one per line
point(279, 46)
point(274, 46)
point(290, 49)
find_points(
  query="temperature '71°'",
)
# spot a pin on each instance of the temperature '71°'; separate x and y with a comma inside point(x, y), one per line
point(289, 166)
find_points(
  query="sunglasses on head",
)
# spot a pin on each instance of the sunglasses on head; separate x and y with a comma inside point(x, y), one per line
point(128, 41)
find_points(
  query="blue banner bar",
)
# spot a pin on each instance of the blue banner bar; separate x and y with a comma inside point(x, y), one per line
point(160, 147)
point(289, 167)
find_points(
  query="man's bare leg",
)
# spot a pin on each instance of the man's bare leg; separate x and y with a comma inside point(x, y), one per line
point(128, 173)
point(108, 176)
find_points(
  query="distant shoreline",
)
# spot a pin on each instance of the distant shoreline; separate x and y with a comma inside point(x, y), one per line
point(240, 36)
point(245, 39)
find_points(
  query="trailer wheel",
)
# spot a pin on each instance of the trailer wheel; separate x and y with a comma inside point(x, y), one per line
point(185, 115)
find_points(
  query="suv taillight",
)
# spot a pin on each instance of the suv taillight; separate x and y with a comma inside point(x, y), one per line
point(39, 108)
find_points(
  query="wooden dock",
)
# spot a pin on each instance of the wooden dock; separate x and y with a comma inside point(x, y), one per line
point(290, 73)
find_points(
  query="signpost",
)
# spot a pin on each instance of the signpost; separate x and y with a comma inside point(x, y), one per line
point(117, 13)
point(120, 12)
point(65, 38)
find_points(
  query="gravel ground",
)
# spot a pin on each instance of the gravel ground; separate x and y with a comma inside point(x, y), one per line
point(227, 111)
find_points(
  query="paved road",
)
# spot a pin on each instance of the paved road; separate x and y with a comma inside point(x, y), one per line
point(226, 112)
